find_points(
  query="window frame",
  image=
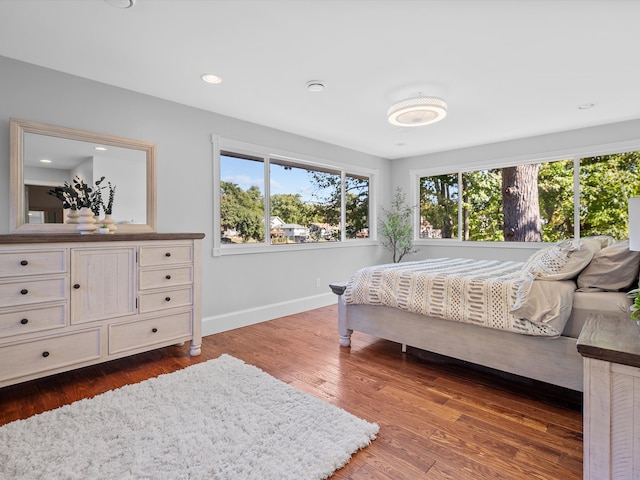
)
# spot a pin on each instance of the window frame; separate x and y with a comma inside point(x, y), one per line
point(267, 154)
point(574, 154)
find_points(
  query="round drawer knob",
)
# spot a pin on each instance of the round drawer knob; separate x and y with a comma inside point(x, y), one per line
point(168, 277)
point(168, 254)
point(154, 330)
point(168, 299)
point(24, 263)
point(24, 321)
point(45, 354)
point(76, 286)
point(24, 291)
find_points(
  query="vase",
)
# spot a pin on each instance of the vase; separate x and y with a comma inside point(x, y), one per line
point(86, 222)
point(109, 222)
point(72, 216)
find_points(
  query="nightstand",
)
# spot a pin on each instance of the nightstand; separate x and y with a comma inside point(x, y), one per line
point(610, 346)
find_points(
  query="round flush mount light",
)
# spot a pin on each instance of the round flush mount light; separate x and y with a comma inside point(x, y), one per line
point(121, 3)
point(315, 86)
point(211, 78)
point(418, 111)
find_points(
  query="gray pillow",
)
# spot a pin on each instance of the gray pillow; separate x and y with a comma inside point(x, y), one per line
point(614, 268)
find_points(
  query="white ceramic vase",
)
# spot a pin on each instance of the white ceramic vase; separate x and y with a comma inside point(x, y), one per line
point(72, 216)
point(109, 222)
point(86, 222)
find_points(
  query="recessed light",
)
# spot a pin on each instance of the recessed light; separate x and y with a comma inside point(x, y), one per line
point(211, 78)
point(315, 86)
point(586, 106)
point(45, 160)
point(121, 3)
point(102, 149)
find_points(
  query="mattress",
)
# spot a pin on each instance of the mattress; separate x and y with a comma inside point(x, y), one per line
point(585, 303)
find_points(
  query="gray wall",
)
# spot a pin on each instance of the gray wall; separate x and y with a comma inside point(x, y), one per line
point(237, 289)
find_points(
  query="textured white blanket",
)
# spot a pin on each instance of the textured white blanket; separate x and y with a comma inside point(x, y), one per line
point(481, 292)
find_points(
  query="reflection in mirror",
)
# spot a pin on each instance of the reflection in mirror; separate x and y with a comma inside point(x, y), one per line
point(45, 156)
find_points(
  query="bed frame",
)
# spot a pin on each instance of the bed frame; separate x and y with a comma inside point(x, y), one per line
point(551, 360)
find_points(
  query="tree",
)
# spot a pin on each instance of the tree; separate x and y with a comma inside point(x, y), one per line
point(242, 210)
point(520, 204)
point(396, 228)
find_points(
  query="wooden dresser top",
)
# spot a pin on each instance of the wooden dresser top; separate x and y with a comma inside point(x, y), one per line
point(76, 237)
point(612, 338)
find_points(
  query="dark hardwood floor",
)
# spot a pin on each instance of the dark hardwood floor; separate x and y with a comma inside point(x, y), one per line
point(439, 419)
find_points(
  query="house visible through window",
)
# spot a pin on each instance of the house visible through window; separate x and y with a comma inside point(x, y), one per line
point(533, 202)
point(277, 201)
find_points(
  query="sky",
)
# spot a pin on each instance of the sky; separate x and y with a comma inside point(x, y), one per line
point(246, 173)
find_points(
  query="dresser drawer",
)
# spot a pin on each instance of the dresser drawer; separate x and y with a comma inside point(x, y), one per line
point(32, 320)
point(28, 262)
point(176, 297)
point(30, 358)
point(159, 330)
point(165, 255)
point(165, 277)
point(26, 292)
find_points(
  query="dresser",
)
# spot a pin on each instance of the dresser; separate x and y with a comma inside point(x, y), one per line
point(610, 346)
point(71, 300)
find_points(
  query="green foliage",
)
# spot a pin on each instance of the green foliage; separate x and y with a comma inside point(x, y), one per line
point(606, 183)
point(79, 195)
point(242, 210)
point(635, 308)
point(396, 227)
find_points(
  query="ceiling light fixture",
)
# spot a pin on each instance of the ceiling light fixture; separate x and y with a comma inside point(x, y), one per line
point(315, 86)
point(45, 160)
point(102, 149)
point(211, 78)
point(418, 111)
point(121, 3)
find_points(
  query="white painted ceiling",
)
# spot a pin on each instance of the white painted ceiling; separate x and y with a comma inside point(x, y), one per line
point(507, 68)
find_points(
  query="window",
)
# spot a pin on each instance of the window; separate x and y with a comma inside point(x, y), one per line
point(272, 200)
point(531, 202)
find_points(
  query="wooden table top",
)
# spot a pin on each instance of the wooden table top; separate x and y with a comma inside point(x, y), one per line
point(613, 338)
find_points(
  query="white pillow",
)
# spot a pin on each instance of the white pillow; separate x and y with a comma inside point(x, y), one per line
point(562, 261)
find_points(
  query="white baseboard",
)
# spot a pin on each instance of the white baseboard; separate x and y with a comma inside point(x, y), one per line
point(242, 318)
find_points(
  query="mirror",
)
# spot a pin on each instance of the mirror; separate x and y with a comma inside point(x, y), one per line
point(127, 164)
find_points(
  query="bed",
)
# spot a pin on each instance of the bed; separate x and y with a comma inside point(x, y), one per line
point(522, 318)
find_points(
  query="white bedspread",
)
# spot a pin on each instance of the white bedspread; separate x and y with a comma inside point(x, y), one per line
point(488, 293)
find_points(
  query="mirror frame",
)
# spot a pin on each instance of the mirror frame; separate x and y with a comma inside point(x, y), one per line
point(17, 129)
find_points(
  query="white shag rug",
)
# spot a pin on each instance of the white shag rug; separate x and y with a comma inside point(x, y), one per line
point(221, 419)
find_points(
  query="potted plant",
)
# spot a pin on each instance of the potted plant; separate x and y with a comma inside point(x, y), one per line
point(104, 229)
point(396, 227)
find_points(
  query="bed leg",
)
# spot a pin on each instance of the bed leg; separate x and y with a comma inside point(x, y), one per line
point(404, 348)
point(345, 340)
point(343, 331)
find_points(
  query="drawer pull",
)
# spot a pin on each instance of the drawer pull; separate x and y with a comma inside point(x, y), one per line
point(154, 330)
point(168, 299)
point(45, 354)
point(76, 286)
point(24, 263)
point(24, 291)
point(168, 254)
point(168, 277)
point(24, 321)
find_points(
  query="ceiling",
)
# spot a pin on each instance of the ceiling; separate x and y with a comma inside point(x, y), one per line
point(507, 68)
